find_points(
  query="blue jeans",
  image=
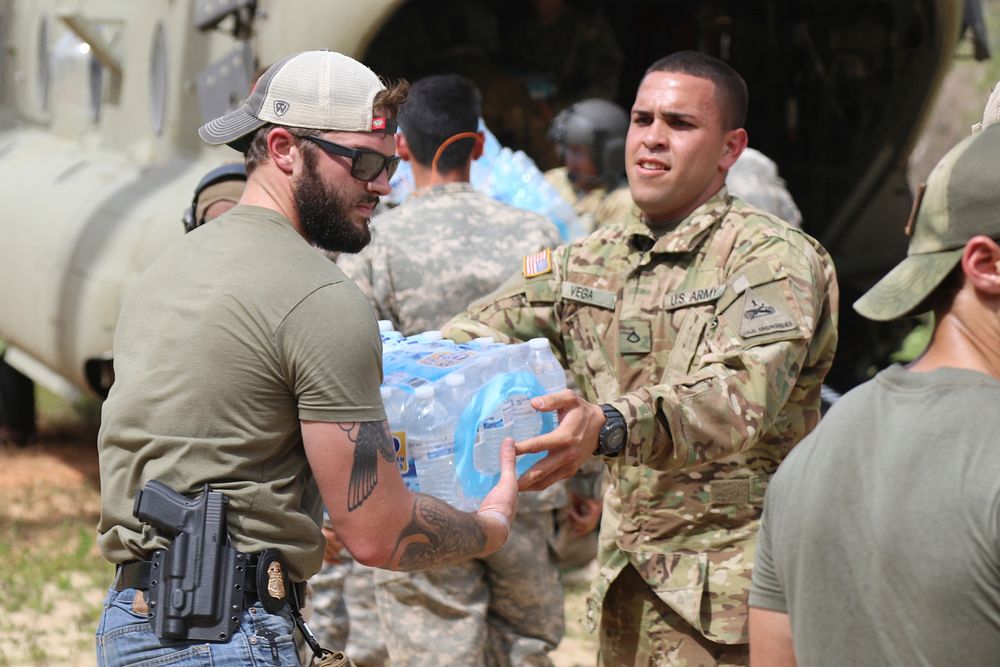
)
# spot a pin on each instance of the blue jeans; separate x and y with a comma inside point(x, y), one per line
point(126, 638)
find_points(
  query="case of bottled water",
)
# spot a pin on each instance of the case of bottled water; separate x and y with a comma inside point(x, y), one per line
point(450, 406)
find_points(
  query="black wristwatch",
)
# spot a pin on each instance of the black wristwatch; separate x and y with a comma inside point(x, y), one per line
point(611, 440)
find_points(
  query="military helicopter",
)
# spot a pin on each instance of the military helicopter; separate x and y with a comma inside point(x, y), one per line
point(100, 101)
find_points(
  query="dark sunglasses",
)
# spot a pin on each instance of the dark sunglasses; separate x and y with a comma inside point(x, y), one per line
point(365, 165)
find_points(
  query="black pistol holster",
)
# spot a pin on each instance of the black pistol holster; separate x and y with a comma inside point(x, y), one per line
point(196, 586)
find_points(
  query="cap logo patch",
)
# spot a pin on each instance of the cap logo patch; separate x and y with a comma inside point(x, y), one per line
point(378, 124)
point(280, 107)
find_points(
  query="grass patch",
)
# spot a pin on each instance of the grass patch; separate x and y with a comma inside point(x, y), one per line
point(51, 577)
point(38, 569)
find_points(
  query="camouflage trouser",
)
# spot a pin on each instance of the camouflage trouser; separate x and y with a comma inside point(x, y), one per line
point(638, 629)
point(505, 609)
point(344, 617)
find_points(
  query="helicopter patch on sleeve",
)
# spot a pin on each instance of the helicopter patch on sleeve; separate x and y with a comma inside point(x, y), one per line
point(763, 315)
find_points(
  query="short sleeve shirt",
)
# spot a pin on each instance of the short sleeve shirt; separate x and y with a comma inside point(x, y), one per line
point(236, 333)
point(881, 530)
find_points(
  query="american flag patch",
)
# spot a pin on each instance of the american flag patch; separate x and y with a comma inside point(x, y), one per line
point(538, 264)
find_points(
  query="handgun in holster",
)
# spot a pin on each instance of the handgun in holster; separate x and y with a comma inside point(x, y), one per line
point(196, 585)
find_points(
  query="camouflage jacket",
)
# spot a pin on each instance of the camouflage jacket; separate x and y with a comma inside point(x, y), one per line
point(445, 247)
point(712, 340)
point(595, 208)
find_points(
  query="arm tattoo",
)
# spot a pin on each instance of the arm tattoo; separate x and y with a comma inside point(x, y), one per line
point(436, 535)
point(371, 440)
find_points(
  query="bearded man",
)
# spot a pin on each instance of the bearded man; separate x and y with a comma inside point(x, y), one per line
point(247, 364)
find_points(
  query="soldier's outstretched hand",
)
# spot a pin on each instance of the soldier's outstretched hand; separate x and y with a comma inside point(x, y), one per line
point(569, 445)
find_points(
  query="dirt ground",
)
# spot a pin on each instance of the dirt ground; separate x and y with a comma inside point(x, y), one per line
point(53, 579)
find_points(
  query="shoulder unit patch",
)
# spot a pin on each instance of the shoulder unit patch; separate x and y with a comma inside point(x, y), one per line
point(761, 316)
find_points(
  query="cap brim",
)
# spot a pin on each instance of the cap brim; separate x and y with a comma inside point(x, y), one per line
point(900, 292)
point(232, 129)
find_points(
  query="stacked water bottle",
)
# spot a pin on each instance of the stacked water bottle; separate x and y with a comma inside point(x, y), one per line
point(450, 406)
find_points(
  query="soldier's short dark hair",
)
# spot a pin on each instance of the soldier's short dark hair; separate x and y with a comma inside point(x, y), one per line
point(439, 107)
point(730, 88)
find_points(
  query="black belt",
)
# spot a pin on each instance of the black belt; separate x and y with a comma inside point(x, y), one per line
point(137, 574)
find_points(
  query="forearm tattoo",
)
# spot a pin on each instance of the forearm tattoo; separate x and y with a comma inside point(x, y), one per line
point(371, 440)
point(436, 535)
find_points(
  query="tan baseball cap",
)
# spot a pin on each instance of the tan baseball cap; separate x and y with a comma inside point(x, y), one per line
point(320, 90)
point(961, 200)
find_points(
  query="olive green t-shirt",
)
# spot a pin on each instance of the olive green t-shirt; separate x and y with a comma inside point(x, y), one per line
point(881, 530)
point(238, 331)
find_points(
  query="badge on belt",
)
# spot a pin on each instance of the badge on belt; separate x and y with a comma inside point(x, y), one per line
point(272, 580)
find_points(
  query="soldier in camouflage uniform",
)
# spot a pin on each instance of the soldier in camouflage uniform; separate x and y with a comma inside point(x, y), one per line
point(703, 329)
point(444, 247)
point(447, 245)
point(590, 141)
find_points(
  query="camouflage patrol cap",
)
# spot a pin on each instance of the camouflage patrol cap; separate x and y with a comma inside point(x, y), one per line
point(961, 200)
point(320, 90)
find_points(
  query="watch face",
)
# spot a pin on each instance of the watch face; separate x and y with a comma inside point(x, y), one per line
point(613, 434)
point(616, 439)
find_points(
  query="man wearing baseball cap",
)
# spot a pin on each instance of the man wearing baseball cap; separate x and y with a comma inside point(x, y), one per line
point(880, 541)
point(247, 368)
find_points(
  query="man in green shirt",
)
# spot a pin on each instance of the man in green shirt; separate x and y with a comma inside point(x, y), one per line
point(880, 542)
point(246, 361)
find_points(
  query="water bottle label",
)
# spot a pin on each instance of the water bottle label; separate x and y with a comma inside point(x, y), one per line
point(441, 451)
point(407, 467)
point(447, 359)
point(431, 449)
point(524, 419)
point(486, 454)
point(492, 423)
point(402, 379)
point(399, 445)
point(419, 363)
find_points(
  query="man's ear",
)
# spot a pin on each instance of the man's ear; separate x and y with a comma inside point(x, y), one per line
point(402, 148)
point(283, 149)
point(734, 144)
point(981, 264)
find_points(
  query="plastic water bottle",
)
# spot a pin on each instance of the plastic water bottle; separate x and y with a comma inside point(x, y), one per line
point(489, 437)
point(387, 331)
point(523, 421)
point(395, 400)
point(431, 336)
point(517, 358)
point(430, 435)
point(456, 392)
point(544, 365)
